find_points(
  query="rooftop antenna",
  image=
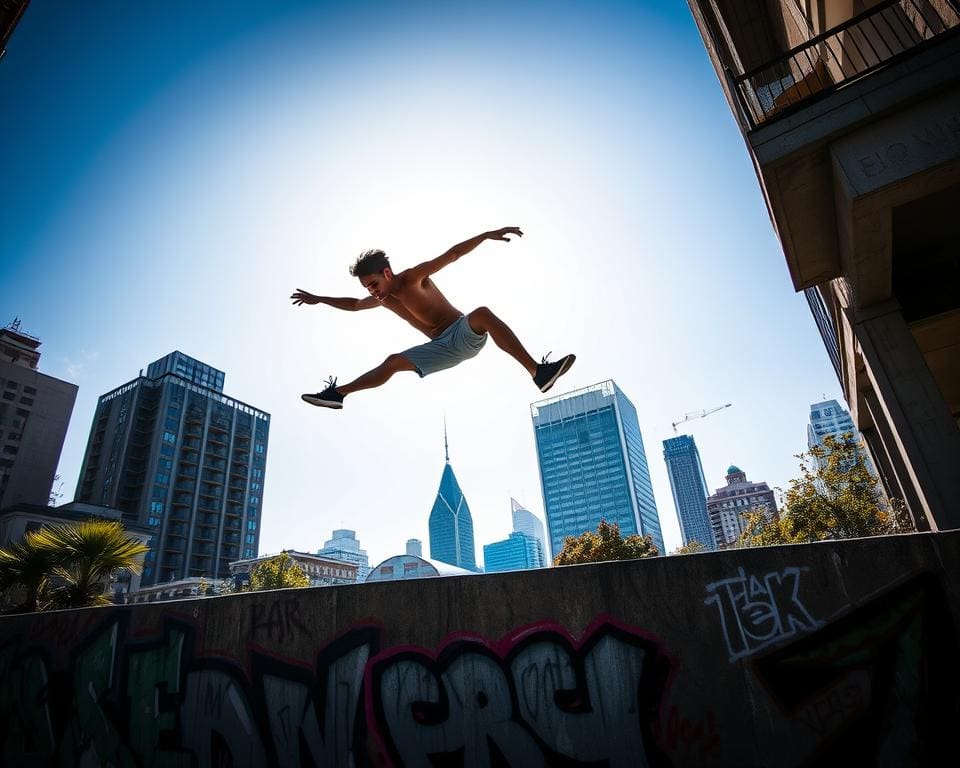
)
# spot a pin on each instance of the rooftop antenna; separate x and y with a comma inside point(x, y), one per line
point(698, 415)
point(446, 447)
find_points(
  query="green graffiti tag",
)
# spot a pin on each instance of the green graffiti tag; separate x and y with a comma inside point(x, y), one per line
point(153, 682)
point(90, 730)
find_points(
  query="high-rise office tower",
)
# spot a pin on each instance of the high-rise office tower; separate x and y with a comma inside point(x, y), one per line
point(829, 418)
point(526, 522)
point(174, 453)
point(730, 506)
point(689, 489)
point(849, 112)
point(518, 552)
point(592, 464)
point(345, 547)
point(451, 525)
point(34, 414)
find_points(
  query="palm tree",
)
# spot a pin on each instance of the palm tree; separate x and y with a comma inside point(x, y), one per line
point(25, 569)
point(92, 552)
point(67, 565)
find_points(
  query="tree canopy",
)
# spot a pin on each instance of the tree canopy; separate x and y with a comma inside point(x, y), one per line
point(606, 543)
point(279, 572)
point(690, 547)
point(835, 497)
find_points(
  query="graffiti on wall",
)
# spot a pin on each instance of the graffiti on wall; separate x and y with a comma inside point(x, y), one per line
point(879, 681)
point(878, 685)
point(534, 699)
point(538, 699)
point(757, 612)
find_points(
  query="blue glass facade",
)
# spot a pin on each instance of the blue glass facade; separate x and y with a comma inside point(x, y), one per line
point(518, 552)
point(184, 460)
point(451, 525)
point(593, 465)
point(689, 489)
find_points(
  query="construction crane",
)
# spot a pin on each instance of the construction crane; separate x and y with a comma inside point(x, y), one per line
point(698, 415)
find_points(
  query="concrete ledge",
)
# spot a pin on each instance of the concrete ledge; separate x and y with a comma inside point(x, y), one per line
point(823, 654)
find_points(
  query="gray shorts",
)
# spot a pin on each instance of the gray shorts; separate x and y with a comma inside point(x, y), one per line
point(457, 343)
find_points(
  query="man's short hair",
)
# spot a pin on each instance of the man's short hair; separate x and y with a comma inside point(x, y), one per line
point(371, 262)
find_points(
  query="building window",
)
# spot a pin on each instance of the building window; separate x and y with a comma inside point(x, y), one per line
point(251, 525)
point(169, 437)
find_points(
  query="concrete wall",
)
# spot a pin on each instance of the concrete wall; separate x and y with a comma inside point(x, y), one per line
point(827, 654)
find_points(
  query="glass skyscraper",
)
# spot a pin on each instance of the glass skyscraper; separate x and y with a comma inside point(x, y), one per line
point(526, 522)
point(173, 453)
point(689, 489)
point(593, 465)
point(517, 552)
point(451, 525)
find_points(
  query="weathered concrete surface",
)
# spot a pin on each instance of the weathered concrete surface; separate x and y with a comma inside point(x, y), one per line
point(828, 654)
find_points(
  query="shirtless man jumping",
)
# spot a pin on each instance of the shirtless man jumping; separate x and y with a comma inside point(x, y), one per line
point(454, 337)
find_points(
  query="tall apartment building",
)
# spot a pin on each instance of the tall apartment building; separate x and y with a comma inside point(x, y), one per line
point(593, 465)
point(35, 411)
point(451, 524)
point(345, 547)
point(174, 453)
point(518, 552)
point(689, 489)
point(526, 522)
point(850, 112)
point(730, 506)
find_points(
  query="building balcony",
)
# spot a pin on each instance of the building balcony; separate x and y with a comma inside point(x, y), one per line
point(846, 52)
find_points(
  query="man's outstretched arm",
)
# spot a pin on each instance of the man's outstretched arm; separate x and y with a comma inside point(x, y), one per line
point(301, 297)
point(427, 268)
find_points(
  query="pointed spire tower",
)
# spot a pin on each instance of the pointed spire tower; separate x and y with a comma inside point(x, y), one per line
point(451, 525)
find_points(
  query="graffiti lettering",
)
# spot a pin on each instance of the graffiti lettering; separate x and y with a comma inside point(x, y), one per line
point(693, 737)
point(756, 613)
point(278, 622)
point(539, 700)
point(217, 724)
point(826, 713)
point(296, 710)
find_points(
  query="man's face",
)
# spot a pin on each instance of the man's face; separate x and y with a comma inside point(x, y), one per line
point(379, 285)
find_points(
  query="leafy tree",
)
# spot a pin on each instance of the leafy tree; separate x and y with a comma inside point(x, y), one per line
point(67, 565)
point(835, 497)
point(690, 547)
point(278, 572)
point(604, 544)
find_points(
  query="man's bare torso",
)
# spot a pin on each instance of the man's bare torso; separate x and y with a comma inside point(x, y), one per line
point(422, 305)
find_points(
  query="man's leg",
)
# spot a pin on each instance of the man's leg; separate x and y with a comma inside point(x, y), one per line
point(378, 376)
point(482, 320)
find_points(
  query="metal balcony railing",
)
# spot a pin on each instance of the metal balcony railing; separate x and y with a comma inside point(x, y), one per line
point(850, 50)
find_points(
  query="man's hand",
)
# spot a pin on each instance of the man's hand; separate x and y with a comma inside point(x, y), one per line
point(501, 234)
point(301, 296)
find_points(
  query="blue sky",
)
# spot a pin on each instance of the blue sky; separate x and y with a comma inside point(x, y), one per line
point(174, 170)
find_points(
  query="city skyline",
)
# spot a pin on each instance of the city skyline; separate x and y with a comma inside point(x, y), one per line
point(188, 177)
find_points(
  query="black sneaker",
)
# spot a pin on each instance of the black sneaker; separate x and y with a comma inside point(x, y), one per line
point(328, 398)
point(548, 373)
